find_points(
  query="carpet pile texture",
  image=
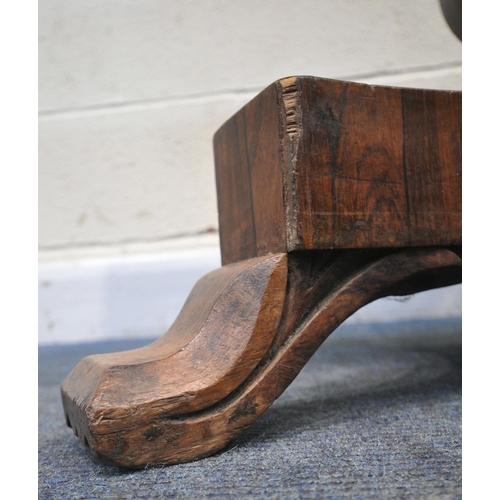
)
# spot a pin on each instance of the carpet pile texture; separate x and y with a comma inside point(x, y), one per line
point(376, 413)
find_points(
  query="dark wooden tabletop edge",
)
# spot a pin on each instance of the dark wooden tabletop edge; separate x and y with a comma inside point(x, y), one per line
point(324, 79)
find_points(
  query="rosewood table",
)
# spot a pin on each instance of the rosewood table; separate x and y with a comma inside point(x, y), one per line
point(331, 194)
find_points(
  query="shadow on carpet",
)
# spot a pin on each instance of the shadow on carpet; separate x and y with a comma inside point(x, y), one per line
point(376, 413)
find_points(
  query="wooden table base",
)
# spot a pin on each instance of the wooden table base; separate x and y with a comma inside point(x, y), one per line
point(243, 335)
point(331, 194)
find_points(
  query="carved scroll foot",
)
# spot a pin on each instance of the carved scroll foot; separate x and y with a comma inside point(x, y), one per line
point(244, 334)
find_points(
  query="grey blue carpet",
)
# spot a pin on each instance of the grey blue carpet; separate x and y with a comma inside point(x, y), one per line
point(376, 413)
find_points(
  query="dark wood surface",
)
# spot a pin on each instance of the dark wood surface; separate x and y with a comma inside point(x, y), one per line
point(180, 400)
point(313, 163)
point(331, 195)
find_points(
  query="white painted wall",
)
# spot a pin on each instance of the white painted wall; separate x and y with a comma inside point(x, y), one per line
point(140, 294)
point(131, 93)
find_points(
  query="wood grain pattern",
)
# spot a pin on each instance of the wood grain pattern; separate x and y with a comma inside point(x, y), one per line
point(226, 326)
point(141, 408)
point(331, 194)
point(343, 165)
point(249, 185)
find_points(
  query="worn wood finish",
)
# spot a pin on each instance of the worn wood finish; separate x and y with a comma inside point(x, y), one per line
point(248, 175)
point(169, 403)
point(313, 163)
point(331, 194)
point(225, 327)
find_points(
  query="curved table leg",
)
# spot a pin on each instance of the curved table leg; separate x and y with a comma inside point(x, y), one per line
point(244, 334)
